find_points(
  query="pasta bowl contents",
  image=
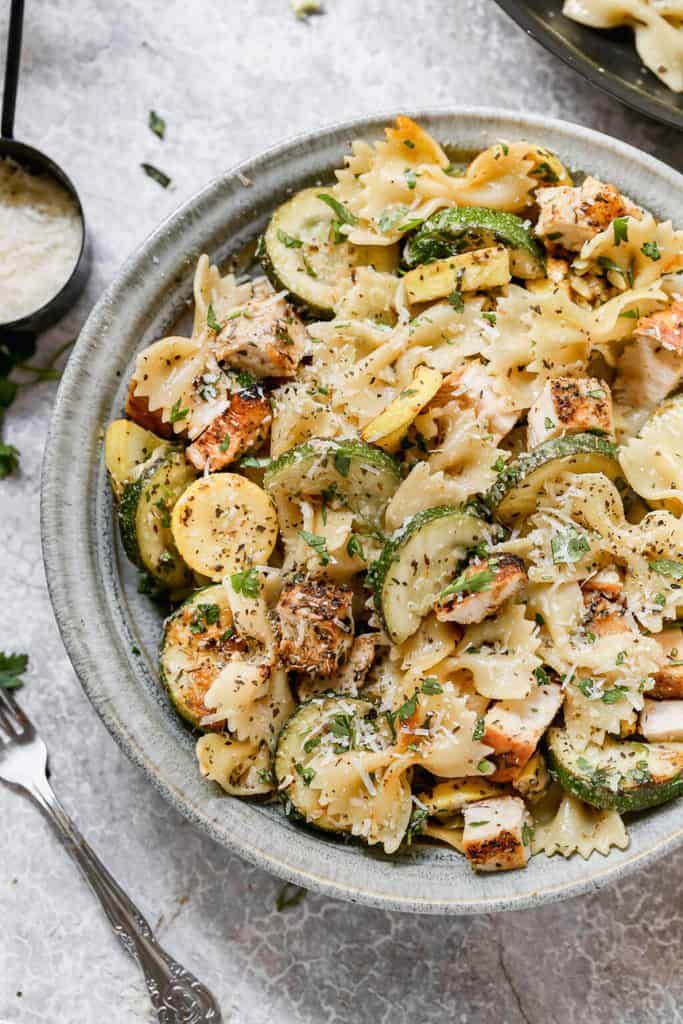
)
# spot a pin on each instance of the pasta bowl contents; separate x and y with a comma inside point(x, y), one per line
point(657, 26)
point(413, 491)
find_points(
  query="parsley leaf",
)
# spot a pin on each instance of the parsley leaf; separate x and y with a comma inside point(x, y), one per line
point(630, 314)
point(607, 264)
point(620, 227)
point(12, 667)
point(342, 463)
point(9, 459)
point(289, 240)
point(456, 300)
point(342, 212)
point(475, 583)
point(319, 545)
point(479, 728)
point(431, 686)
point(156, 175)
point(651, 250)
point(211, 321)
point(354, 547)
point(225, 443)
point(307, 774)
point(490, 318)
point(568, 545)
point(177, 413)
point(289, 895)
point(246, 583)
point(667, 567)
point(157, 124)
point(408, 708)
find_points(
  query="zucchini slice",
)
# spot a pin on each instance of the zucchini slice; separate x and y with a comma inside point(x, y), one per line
point(460, 229)
point(623, 775)
point(145, 518)
point(418, 561)
point(301, 253)
point(224, 523)
point(198, 641)
point(322, 727)
point(515, 493)
point(127, 446)
point(361, 476)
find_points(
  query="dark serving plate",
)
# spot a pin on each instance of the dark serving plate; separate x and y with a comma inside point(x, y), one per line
point(608, 59)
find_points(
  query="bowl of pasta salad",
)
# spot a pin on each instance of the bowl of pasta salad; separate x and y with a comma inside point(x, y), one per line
point(631, 49)
point(372, 556)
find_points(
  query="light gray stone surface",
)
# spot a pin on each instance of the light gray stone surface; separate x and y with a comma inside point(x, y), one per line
point(232, 78)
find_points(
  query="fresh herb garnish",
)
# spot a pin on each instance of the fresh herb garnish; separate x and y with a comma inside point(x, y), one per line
point(408, 708)
point(411, 177)
point(318, 544)
point(475, 583)
point(307, 774)
point(614, 695)
point(289, 895)
point(549, 424)
point(156, 175)
point(342, 463)
point(568, 545)
point(456, 300)
point(177, 413)
point(157, 124)
point(651, 250)
point(342, 212)
point(607, 264)
point(354, 547)
point(252, 462)
point(12, 667)
point(245, 379)
point(541, 676)
point(416, 823)
point(630, 314)
point(490, 318)
point(289, 240)
point(620, 227)
point(667, 567)
point(479, 728)
point(545, 173)
point(211, 321)
point(431, 686)
point(225, 443)
point(246, 582)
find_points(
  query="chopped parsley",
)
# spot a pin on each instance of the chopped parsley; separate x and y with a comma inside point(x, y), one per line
point(607, 264)
point(411, 177)
point(545, 173)
point(246, 583)
point(156, 124)
point(225, 443)
point(568, 545)
point(310, 745)
point(667, 567)
point(630, 314)
point(289, 240)
point(177, 413)
point(620, 227)
point(456, 300)
point(354, 547)
point(408, 708)
point(289, 895)
point(12, 667)
point(479, 728)
point(245, 379)
point(490, 318)
point(614, 695)
point(252, 462)
point(156, 175)
point(342, 463)
point(409, 143)
point(541, 676)
point(307, 774)
point(342, 212)
point(318, 544)
point(205, 615)
point(651, 250)
point(549, 425)
point(211, 321)
point(431, 686)
point(472, 584)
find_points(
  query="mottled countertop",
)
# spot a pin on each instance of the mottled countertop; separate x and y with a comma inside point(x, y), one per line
point(232, 78)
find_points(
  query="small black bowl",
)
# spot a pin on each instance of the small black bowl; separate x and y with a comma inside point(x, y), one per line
point(37, 163)
point(608, 59)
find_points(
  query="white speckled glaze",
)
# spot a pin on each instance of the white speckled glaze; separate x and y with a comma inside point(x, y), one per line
point(93, 589)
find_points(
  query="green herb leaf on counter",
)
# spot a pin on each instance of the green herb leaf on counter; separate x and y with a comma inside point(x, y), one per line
point(12, 667)
point(157, 124)
point(156, 175)
point(289, 896)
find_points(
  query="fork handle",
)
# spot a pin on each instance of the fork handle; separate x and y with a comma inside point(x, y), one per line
point(177, 996)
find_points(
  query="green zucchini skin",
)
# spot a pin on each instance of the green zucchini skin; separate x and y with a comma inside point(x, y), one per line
point(623, 775)
point(455, 230)
point(514, 494)
point(146, 539)
point(193, 650)
point(298, 799)
point(462, 528)
point(365, 476)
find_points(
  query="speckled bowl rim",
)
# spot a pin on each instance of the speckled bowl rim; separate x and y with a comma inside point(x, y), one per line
point(79, 552)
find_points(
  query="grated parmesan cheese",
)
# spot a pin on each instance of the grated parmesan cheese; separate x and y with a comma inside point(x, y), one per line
point(40, 239)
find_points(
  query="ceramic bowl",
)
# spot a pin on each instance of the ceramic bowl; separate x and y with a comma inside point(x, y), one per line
point(104, 621)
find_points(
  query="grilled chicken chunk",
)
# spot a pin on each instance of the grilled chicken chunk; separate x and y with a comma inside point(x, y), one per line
point(669, 679)
point(514, 727)
point(315, 625)
point(603, 617)
point(651, 367)
point(268, 339)
point(608, 582)
point(481, 589)
point(242, 427)
point(569, 217)
point(471, 387)
point(497, 834)
point(351, 676)
point(661, 721)
point(569, 405)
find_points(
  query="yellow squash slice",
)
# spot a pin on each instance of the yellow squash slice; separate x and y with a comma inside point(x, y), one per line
point(467, 272)
point(388, 429)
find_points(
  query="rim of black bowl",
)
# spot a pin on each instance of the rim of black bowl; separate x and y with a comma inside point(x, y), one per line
point(60, 303)
point(601, 77)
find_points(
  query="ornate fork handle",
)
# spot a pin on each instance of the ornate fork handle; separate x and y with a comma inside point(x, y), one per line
point(177, 996)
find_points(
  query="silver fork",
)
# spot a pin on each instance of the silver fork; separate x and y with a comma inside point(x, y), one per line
point(177, 996)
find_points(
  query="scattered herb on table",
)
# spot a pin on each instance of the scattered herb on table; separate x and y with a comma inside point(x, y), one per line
point(157, 124)
point(289, 896)
point(156, 175)
point(12, 667)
